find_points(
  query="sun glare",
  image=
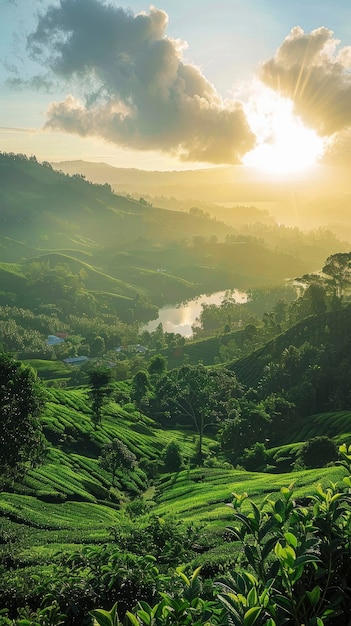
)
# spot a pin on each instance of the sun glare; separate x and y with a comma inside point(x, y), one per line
point(285, 146)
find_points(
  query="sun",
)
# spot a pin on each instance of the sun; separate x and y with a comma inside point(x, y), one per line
point(285, 146)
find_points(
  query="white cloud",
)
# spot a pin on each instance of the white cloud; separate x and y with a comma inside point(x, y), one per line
point(135, 88)
point(309, 69)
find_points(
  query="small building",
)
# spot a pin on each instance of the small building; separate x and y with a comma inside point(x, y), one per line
point(140, 349)
point(54, 340)
point(76, 360)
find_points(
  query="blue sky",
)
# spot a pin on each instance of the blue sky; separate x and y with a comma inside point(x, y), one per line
point(226, 39)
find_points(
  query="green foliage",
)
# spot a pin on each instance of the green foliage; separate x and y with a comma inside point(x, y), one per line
point(21, 402)
point(47, 616)
point(100, 389)
point(187, 608)
point(116, 456)
point(292, 565)
point(106, 618)
point(169, 540)
point(196, 396)
point(157, 366)
point(318, 452)
point(172, 458)
point(293, 560)
point(248, 423)
point(254, 458)
point(140, 387)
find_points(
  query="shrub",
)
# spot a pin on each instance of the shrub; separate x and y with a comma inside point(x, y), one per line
point(172, 459)
point(317, 452)
point(254, 458)
point(293, 564)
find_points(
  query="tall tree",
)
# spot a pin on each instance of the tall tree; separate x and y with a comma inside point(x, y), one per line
point(115, 456)
point(334, 277)
point(338, 270)
point(157, 366)
point(172, 457)
point(140, 387)
point(198, 396)
point(22, 444)
point(100, 389)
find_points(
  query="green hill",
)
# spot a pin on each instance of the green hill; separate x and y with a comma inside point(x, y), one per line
point(332, 328)
point(121, 247)
point(46, 209)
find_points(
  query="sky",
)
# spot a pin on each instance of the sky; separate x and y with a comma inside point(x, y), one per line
point(178, 85)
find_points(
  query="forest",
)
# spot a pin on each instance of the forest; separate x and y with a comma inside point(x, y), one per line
point(151, 478)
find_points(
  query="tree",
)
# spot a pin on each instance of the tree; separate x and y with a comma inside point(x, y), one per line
point(115, 456)
point(335, 277)
point(315, 297)
point(338, 269)
point(172, 459)
point(100, 389)
point(247, 425)
point(140, 387)
point(196, 395)
point(21, 402)
point(318, 452)
point(157, 366)
point(97, 346)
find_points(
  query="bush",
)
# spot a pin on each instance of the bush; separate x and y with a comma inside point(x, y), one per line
point(172, 459)
point(254, 458)
point(293, 562)
point(317, 452)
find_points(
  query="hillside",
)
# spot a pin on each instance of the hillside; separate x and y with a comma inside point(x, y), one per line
point(47, 209)
point(67, 521)
point(76, 531)
point(319, 199)
point(332, 329)
point(126, 257)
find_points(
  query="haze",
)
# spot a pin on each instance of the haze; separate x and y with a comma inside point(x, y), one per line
point(257, 89)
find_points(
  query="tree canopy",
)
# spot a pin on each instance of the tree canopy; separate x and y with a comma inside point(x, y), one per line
point(21, 402)
point(116, 456)
point(197, 396)
point(100, 388)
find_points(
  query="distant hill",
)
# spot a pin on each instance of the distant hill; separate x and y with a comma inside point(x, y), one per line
point(185, 184)
point(319, 197)
point(47, 209)
point(123, 248)
point(221, 183)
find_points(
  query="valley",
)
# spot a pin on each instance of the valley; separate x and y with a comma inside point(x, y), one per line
point(230, 436)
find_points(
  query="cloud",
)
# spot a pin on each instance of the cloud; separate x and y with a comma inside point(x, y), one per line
point(130, 85)
point(309, 69)
point(338, 150)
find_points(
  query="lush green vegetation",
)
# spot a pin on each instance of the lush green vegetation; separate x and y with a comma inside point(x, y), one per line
point(119, 471)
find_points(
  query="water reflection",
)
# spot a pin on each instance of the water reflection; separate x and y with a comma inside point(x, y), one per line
point(180, 318)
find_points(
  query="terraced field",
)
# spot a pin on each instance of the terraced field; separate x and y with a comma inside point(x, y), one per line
point(201, 495)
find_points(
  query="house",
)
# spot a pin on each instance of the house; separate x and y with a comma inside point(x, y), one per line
point(76, 360)
point(54, 340)
point(140, 349)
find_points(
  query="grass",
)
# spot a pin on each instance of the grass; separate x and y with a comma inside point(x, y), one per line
point(49, 370)
point(71, 473)
point(71, 470)
point(69, 502)
point(336, 424)
point(201, 495)
point(30, 511)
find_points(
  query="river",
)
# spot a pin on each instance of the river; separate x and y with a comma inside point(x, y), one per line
point(180, 318)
